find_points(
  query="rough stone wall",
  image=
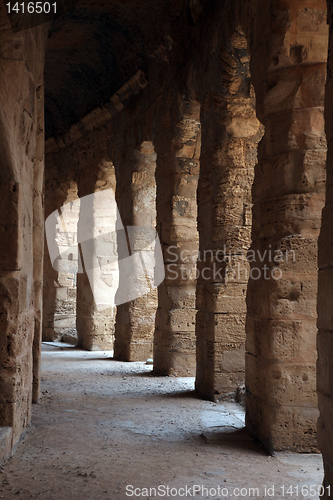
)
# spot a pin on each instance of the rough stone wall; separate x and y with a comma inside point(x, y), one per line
point(136, 196)
point(38, 239)
point(177, 143)
point(230, 134)
point(325, 298)
point(21, 171)
point(288, 45)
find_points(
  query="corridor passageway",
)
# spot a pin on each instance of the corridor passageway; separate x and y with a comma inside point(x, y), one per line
point(103, 424)
point(166, 195)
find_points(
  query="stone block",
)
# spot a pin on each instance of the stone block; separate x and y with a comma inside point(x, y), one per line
point(181, 252)
point(142, 332)
point(282, 428)
point(230, 298)
point(187, 186)
point(227, 383)
point(167, 342)
point(294, 299)
point(281, 384)
point(184, 207)
point(181, 229)
point(294, 213)
point(230, 360)
point(102, 342)
point(182, 320)
point(284, 340)
point(62, 322)
point(178, 364)
point(228, 329)
point(238, 236)
point(61, 293)
point(66, 279)
point(183, 274)
point(140, 351)
point(175, 297)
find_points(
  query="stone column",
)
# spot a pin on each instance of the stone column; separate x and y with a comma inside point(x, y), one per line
point(177, 144)
point(230, 134)
point(38, 242)
point(21, 172)
point(136, 195)
point(95, 281)
point(288, 63)
point(325, 295)
point(59, 311)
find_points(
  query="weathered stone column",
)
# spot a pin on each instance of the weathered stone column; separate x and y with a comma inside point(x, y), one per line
point(325, 295)
point(38, 241)
point(136, 195)
point(95, 281)
point(59, 311)
point(177, 144)
point(288, 63)
point(21, 173)
point(230, 134)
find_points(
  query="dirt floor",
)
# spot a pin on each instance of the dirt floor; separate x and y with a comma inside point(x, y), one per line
point(110, 430)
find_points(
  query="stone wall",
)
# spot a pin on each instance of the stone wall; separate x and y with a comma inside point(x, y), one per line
point(288, 46)
point(21, 177)
point(282, 47)
point(325, 298)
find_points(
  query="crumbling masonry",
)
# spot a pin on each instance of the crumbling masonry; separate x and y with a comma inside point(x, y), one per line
point(209, 122)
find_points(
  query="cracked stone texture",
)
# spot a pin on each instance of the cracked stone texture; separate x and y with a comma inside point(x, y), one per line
point(288, 72)
point(325, 300)
point(136, 195)
point(21, 249)
point(177, 143)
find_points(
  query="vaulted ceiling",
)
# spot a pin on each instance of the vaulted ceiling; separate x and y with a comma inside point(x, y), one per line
point(98, 45)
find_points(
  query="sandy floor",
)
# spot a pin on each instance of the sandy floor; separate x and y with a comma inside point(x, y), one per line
point(104, 428)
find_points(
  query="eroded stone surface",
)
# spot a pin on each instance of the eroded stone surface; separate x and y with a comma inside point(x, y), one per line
point(136, 192)
point(230, 133)
point(325, 299)
point(181, 71)
point(21, 228)
point(288, 72)
point(177, 143)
